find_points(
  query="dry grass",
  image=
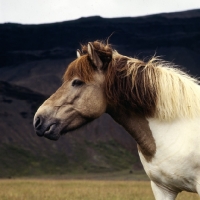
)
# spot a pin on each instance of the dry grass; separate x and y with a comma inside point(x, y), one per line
point(43, 189)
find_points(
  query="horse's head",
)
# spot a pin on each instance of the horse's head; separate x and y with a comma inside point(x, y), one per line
point(81, 97)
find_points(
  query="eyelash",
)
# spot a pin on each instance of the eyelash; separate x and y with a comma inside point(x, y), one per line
point(77, 82)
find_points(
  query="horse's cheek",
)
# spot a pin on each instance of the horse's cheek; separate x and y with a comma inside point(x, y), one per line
point(93, 105)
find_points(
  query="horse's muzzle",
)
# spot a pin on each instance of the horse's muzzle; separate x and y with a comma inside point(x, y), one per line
point(45, 128)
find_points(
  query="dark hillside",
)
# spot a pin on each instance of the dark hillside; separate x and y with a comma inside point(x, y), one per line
point(33, 59)
point(95, 147)
point(22, 43)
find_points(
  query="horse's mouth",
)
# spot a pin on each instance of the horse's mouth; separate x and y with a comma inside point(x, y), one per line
point(55, 131)
point(51, 132)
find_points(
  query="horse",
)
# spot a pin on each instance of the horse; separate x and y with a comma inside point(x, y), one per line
point(157, 103)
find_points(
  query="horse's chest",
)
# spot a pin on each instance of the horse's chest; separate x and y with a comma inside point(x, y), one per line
point(172, 173)
point(176, 164)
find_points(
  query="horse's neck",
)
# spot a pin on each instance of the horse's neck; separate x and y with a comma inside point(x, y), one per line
point(138, 128)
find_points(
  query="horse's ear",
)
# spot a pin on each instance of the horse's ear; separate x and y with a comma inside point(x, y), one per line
point(78, 53)
point(94, 56)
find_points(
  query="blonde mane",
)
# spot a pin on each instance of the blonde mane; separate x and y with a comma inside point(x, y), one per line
point(177, 93)
point(154, 88)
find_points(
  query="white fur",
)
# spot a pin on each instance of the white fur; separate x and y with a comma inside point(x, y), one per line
point(176, 164)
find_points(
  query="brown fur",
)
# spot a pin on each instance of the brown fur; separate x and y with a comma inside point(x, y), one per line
point(104, 51)
point(120, 90)
point(126, 91)
point(138, 127)
point(82, 68)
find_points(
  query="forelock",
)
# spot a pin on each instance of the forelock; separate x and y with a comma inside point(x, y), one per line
point(81, 68)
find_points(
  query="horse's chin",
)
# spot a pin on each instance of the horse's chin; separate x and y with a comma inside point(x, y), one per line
point(52, 132)
point(53, 136)
point(56, 133)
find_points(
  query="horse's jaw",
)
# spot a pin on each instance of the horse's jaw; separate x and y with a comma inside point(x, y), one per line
point(49, 125)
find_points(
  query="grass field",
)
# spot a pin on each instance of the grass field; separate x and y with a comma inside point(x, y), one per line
point(65, 188)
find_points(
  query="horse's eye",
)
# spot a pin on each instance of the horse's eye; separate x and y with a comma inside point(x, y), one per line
point(77, 82)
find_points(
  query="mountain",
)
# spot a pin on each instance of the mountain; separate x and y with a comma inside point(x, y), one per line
point(33, 59)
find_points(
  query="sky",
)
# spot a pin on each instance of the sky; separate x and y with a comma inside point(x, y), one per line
point(48, 11)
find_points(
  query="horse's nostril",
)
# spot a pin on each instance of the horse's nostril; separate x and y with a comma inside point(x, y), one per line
point(38, 122)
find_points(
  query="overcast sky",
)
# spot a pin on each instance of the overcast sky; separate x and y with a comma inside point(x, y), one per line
point(47, 11)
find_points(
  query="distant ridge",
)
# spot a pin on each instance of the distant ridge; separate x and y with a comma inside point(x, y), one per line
point(23, 43)
point(183, 14)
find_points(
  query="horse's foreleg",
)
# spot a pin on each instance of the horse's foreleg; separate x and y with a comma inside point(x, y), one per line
point(162, 194)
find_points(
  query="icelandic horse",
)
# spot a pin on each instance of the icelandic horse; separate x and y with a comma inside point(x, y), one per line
point(158, 104)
